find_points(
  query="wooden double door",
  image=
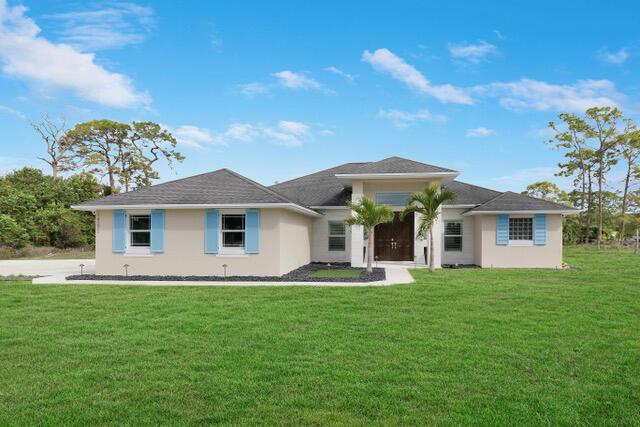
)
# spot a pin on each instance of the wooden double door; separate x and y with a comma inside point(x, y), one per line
point(394, 241)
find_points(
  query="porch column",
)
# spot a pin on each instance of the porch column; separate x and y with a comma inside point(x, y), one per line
point(357, 233)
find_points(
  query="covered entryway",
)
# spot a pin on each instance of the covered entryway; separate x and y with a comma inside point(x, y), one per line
point(394, 241)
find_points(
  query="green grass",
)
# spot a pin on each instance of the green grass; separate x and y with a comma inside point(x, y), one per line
point(486, 347)
point(336, 272)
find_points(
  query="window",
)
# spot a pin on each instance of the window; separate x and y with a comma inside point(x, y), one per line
point(520, 229)
point(453, 235)
point(140, 230)
point(233, 231)
point(337, 236)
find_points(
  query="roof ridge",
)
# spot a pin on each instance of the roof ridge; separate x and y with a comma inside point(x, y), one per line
point(320, 171)
point(488, 201)
point(261, 187)
point(410, 160)
point(476, 186)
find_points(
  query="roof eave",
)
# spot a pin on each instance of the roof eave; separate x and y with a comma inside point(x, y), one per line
point(524, 212)
point(291, 206)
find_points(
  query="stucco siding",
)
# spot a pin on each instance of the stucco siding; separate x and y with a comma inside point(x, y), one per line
point(295, 241)
point(184, 247)
point(543, 256)
point(467, 255)
point(320, 237)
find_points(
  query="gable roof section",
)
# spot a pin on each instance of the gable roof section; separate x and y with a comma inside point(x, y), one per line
point(398, 165)
point(468, 194)
point(219, 187)
point(515, 202)
point(320, 188)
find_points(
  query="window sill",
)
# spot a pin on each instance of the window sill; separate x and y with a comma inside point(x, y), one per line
point(520, 243)
point(232, 255)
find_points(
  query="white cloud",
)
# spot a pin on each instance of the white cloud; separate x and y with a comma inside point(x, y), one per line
point(518, 180)
point(471, 52)
point(245, 132)
point(498, 34)
point(528, 94)
point(193, 136)
point(253, 88)
point(295, 128)
point(349, 77)
point(294, 80)
point(26, 55)
point(285, 132)
point(403, 119)
point(12, 111)
point(114, 26)
point(327, 132)
point(480, 132)
point(386, 61)
point(617, 58)
point(282, 138)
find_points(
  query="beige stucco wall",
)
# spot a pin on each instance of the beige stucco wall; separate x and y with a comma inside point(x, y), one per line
point(467, 254)
point(493, 255)
point(320, 237)
point(184, 247)
point(295, 240)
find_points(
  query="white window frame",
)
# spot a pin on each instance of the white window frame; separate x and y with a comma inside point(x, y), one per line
point(343, 235)
point(231, 250)
point(453, 235)
point(522, 242)
point(137, 250)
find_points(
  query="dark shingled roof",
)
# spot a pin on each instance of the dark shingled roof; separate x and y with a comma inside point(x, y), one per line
point(398, 165)
point(219, 187)
point(320, 188)
point(510, 201)
point(467, 194)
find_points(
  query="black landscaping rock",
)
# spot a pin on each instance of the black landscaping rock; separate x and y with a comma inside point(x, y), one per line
point(302, 274)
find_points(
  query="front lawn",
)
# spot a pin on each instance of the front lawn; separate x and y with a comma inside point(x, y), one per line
point(484, 347)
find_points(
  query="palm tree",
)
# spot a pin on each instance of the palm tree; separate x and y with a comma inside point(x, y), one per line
point(426, 203)
point(368, 214)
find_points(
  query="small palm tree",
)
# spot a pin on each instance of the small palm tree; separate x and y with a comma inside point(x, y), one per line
point(368, 214)
point(426, 203)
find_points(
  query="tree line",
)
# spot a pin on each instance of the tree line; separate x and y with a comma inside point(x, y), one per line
point(592, 144)
point(90, 160)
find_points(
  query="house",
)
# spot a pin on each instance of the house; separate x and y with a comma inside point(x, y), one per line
point(220, 220)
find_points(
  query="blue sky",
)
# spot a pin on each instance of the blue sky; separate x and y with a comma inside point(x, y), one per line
point(278, 89)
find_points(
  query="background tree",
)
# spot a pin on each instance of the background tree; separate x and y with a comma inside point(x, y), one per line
point(579, 155)
point(427, 203)
point(629, 147)
point(603, 122)
point(546, 190)
point(60, 156)
point(36, 209)
point(368, 214)
point(125, 154)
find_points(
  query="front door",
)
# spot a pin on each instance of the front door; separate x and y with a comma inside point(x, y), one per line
point(393, 241)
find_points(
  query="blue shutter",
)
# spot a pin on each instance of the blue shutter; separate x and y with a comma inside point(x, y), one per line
point(252, 231)
point(211, 219)
point(119, 231)
point(540, 237)
point(157, 230)
point(502, 229)
point(393, 199)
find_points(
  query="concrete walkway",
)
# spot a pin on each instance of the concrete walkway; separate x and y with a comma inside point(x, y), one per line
point(395, 276)
point(45, 267)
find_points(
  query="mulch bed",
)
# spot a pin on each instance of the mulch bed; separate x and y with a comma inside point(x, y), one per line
point(302, 274)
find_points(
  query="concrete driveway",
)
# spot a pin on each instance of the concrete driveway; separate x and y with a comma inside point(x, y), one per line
point(46, 267)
